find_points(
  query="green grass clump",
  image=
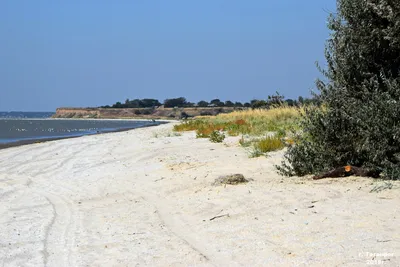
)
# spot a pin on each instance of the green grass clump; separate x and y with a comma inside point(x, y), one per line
point(191, 125)
point(269, 143)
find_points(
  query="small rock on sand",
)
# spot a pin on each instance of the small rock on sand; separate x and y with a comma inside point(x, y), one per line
point(232, 179)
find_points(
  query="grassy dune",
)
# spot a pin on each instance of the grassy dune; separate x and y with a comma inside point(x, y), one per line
point(263, 130)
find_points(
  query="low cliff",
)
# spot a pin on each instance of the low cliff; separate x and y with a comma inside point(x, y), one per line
point(140, 113)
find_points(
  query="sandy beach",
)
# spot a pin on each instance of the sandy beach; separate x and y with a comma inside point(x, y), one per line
point(146, 197)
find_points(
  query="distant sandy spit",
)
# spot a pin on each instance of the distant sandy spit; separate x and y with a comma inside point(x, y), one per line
point(146, 197)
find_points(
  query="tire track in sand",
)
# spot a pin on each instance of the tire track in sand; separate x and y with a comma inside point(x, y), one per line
point(58, 240)
point(57, 243)
point(182, 230)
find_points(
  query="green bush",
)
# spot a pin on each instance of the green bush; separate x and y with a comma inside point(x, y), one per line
point(358, 122)
point(217, 137)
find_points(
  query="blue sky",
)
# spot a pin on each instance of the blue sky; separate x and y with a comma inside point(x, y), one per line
point(93, 52)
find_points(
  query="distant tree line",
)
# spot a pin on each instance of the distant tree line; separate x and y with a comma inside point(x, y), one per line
point(181, 102)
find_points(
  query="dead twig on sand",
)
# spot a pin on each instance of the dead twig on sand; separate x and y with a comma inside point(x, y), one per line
point(380, 187)
point(219, 216)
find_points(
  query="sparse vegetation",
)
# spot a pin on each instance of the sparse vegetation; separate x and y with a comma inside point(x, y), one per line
point(260, 121)
point(244, 143)
point(92, 116)
point(255, 124)
point(255, 153)
point(165, 134)
point(381, 187)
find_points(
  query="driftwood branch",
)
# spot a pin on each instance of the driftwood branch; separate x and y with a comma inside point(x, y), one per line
point(347, 171)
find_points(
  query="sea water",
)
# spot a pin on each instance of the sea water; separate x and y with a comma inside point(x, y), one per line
point(20, 126)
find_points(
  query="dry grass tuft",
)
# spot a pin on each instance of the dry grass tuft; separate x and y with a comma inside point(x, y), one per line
point(269, 143)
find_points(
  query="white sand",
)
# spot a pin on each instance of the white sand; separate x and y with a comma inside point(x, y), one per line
point(141, 198)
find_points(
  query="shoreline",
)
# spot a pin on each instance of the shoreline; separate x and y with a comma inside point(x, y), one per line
point(149, 197)
point(94, 119)
point(33, 141)
point(49, 139)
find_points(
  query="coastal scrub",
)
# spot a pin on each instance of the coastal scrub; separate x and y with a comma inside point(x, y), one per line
point(359, 124)
point(254, 125)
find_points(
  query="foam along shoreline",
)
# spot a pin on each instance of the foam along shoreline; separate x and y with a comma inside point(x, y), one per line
point(147, 197)
point(34, 140)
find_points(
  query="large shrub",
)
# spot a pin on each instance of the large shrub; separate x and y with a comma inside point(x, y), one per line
point(359, 121)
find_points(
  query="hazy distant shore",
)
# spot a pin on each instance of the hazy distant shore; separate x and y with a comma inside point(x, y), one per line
point(141, 113)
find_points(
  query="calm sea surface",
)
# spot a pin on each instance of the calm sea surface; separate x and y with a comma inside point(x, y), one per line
point(20, 126)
